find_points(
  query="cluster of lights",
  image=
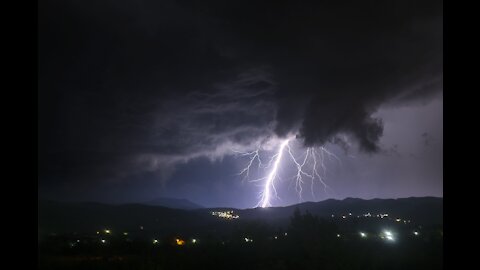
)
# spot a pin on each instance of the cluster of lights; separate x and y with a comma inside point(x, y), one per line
point(225, 214)
point(385, 235)
point(106, 231)
point(404, 221)
point(382, 216)
point(364, 215)
point(179, 241)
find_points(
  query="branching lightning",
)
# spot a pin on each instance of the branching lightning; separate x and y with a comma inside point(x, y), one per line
point(312, 157)
point(254, 155)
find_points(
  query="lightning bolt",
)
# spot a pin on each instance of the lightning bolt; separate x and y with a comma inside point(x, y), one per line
point(314, 157)
point(270, 185)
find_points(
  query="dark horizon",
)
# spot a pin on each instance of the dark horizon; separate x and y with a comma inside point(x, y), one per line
point(230, 207)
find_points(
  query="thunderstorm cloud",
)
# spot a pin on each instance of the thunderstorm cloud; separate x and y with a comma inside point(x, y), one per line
point(133, 86)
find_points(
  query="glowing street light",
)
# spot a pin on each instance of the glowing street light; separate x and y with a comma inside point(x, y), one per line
point(388, 235)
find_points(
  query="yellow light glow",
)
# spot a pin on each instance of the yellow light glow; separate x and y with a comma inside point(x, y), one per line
point(180, 242)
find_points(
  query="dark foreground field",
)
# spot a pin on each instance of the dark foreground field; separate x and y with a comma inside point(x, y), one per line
point(307, 243)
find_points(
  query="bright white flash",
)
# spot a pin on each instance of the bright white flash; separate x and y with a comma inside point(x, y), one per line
point(312, 158)
point(271, 177)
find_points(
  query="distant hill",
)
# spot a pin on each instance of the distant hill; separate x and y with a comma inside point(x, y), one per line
point(62, 217)
point(424, 210)
point(90, 217)
point(174, 203)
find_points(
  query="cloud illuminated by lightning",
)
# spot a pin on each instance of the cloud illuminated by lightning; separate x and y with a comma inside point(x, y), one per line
point(311, 157)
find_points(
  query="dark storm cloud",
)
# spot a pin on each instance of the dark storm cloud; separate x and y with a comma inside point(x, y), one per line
point(128, 86)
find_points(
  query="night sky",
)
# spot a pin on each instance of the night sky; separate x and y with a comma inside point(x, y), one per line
point(144, 99)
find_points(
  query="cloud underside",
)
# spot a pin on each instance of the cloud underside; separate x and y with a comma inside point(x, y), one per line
point(131, 86)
